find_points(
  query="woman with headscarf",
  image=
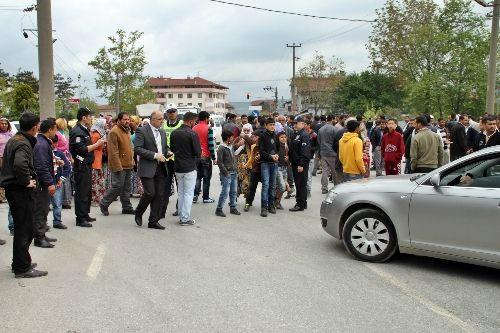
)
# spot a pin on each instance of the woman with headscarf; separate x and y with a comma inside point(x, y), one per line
point(63, 146)
point(99, 168)
point(137, 189)
point(5, 135)
point(243, 152)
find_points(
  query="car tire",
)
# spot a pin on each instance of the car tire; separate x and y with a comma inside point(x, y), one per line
point(369, 235)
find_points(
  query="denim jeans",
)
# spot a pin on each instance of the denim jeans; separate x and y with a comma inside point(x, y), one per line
point(186, 183)
point(310, 175)
point(229, 185)
point(349, 176)
point(67, 192)
point(11, 220)
point(268, 175)
point(281, 178)
point(56, 201)
point(205, 174)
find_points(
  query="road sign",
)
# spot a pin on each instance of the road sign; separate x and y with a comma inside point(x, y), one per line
point(73, 100)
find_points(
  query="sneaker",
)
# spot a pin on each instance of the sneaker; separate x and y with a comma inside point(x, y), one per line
point(220, 213)
point(234, 211)
point(278, 206)
point(209, 200)
point(324, 191)
point(272, 209)
point(60, 226)
point(246, 208)
point(66, 206)
point(195, 199)
point(186, 223)
point(263, 212)
point(104, 210)
point(176, 213)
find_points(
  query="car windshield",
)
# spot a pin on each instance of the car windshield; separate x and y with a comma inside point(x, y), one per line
point(415, 178)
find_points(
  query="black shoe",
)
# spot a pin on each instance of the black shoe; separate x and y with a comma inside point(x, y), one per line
point(43, 243)
point(60, 226)
point(246, 208)
point(138, 220)
point(51, 240)
point(220, 213)
point(104, 210)
point(47, 228)
point(296, 209)
point(263, 212)
point(278, 206)
point(272, 210)
point(2, 242)
point(33, 265)
point(234, 211)
point(90, 219)
point(11, 232)
point(324, 191)
point(84, 224)
point(156, 225)
point(176, 213)
point(66, 206)
point(32, 273)
point(195, 199)
point(187, 223)
point(128, 211)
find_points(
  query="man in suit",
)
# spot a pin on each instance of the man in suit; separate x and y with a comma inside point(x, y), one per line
point(458, 138)
point(151, 146)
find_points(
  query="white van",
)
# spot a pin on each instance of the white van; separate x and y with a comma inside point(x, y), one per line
point(218, 122)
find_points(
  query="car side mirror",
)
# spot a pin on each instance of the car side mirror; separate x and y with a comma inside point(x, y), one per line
point(435, 180)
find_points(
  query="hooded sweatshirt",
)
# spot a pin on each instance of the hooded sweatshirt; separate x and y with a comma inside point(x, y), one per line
point(393, 147)
point(351, 153)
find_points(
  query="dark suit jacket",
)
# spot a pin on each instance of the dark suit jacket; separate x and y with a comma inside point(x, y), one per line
point(145, 148)
point(459, 146)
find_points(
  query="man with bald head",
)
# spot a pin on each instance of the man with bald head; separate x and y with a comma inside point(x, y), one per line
point(151, 146)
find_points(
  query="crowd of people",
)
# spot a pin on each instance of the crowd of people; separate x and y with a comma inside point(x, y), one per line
point(49, 165)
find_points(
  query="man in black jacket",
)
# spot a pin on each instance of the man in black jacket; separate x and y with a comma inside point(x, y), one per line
point(268, 150)
point(490, 136)
point(458, 138)
point(18, 177)
point(300, 154)
point(44, 168)
point(186, 147)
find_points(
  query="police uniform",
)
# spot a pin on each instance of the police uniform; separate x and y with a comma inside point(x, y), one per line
point(79, 140)
point(300, 154)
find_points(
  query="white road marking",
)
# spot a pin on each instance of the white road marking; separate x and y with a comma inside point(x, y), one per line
point(408, 291)
point(96, 264)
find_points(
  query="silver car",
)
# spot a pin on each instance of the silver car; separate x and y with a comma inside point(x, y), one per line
point(451, 213)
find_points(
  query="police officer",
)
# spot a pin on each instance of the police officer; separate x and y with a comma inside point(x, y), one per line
point(300, 154)
point(81, 149)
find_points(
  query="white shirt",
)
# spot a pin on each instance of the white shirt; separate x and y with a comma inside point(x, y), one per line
point(157, 135)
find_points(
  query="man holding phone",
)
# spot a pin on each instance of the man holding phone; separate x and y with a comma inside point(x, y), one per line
point(18, 177)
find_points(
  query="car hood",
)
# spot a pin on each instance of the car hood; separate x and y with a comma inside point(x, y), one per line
point(401, 183)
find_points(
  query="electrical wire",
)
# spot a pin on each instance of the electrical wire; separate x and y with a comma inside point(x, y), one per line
point(290, 13)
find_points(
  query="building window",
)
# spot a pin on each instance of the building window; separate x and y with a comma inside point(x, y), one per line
point(180, 104)
point(170, 95)
point(200, 105)
point(190, 95)
point(210, 95)
point(200, 95)
point(190, 104)
point(179, 95)
point(160, 95)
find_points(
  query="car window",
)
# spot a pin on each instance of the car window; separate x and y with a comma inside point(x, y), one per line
point(484, 172)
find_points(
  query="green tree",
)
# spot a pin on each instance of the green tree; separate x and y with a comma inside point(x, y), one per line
point(64, 89)
point(124, 62)
point(317, 81)
point(27, 77)
point(23, 99)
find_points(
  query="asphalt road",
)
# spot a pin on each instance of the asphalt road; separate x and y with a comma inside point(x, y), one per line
point(238, 274)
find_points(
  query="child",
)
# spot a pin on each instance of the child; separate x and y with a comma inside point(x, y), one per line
point(393, 149)
point(281, 175)
point(62, 169)
point(228, 177)
point(253, 165)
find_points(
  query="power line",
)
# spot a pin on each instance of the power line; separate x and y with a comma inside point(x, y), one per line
point(335, 35)
point(291, 13)
point(250, 81)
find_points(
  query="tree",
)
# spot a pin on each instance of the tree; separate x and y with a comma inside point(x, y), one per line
point(317, 81)
point(28, 78)
point(64, 87)
point(124, 62)
point(23, 99)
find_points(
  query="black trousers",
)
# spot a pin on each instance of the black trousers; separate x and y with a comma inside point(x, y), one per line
point(83, 190)
point(204, 173)
point(167, 193)
point(22, 206)
point(252, 187)
point(154, 189)
point(42, 202)
point(300, 179)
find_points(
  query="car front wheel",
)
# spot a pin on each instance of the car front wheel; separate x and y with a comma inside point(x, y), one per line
point(369, 235)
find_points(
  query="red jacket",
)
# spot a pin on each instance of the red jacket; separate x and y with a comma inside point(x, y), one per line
point(393, 147)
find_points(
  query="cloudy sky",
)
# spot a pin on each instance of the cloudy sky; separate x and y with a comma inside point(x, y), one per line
point(186, 37)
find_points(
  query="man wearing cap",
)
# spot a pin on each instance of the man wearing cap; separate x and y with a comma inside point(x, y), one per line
point(300, 154)
point(172, 122)
point(82, 151)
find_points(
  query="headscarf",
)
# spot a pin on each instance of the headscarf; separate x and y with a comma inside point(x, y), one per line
point(278, 128)
point(9, 127)
point(99, 126)
point(247, 127)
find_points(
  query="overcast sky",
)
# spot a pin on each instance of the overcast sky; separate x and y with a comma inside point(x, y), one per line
point(187, 37)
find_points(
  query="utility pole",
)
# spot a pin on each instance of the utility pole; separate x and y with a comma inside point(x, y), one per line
point(45, 60)
point(492, 67)
point(293, 89)
point(275, 90)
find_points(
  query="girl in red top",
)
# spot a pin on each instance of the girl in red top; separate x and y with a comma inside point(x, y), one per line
point(393, 149)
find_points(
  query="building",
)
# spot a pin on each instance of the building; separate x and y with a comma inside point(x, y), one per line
point(196, 92)
point(268, 105)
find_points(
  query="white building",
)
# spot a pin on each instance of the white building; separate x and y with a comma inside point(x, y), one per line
point(196, 91)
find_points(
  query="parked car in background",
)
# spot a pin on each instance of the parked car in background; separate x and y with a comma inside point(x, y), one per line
point(451, 213)
point(15, 126)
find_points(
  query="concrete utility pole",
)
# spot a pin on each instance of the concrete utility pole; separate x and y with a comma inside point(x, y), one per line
point(45, 60)
point(492, 67)
point(293, 89)
point(275, 90)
